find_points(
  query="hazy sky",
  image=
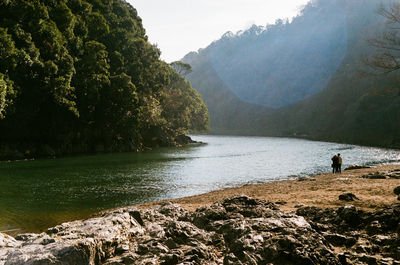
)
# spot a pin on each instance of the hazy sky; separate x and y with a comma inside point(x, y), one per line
point(181, 26)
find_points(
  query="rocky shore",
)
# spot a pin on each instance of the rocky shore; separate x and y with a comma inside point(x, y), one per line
point(236, 230)
point(348, 218)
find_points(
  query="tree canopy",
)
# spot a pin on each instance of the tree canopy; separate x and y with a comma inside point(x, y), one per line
point(386, 58)
point(80, 75)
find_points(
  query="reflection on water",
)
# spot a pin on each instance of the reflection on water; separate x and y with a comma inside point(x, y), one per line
point(38, 194)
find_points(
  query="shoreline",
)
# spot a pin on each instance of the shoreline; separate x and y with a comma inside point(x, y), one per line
point(288, 195)
point(306, 137)
point(320, 190)
point(231, 227)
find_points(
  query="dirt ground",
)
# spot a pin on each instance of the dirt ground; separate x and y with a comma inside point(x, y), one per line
point(323, 192)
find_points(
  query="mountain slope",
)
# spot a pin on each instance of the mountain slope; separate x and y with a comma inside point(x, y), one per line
point(282, 63)
point(310, 79)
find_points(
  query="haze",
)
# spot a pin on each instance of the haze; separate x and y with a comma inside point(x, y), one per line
point(181, 26)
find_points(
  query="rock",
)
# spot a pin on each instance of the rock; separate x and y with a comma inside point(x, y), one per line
point(370, 260)
point(184, 139)
point(394, 175)
point(338, 240)
point(237, 230)
point(362, 234)
point(78, 242)
point(7, 241)
point(306, 178)
point(352, 167)
point(397, 190)
point(376, 175)
point(349, 214)
point(348, 197)
point(344, 258)
point(170, 259)
point(342, 179)
point(373, 228)
point(136, 214)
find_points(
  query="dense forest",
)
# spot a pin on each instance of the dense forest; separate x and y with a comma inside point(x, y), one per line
point(302, 78)
point(80, 76)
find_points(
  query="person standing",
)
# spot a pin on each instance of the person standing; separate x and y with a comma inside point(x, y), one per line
point(339, 165)
point(335, 161)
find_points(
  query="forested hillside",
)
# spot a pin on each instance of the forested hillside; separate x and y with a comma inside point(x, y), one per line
point(80, 76)
point(302, 78)
point(281, 64)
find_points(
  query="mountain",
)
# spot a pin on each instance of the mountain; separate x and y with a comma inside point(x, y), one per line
point(301, 78)
point(278, 65)
point(80, 76)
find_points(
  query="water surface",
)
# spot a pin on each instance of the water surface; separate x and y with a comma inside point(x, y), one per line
point(38, 194)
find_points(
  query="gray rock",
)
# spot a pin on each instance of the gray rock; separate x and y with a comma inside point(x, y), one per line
point(348, 197)
point(369, 234)
point(352, 167)
point(349, 214)
point(306, 178)
point(376, 175)
point(394, 175)
point(373, 228)
point(397, 190)
point(238, 230)
point(338, 240)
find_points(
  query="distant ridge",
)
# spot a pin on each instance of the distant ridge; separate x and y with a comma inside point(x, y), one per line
point(300, 78)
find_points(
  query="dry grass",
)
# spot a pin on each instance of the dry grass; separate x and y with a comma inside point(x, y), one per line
point(324, 192)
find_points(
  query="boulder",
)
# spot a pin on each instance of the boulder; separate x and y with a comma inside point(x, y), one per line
point(397, 190)
point(348, 197)
point(349, 214)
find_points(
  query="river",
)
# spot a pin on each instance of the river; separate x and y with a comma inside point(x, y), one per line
point(42, 193)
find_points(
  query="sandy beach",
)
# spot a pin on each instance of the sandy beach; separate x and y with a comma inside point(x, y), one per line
point(322, 192)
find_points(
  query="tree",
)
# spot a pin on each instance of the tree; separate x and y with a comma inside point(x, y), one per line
point(181, 68)
point(387, 45)
point(5, 93)
point(80, 75)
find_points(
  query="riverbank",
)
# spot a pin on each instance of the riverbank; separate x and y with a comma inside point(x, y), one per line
point(17, 152)
point(298, 221)
point(321, 191)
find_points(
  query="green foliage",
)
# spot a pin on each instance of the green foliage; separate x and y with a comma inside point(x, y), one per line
point(181, 68)
point(80, 75)
point(183, 115)
point(6, 92)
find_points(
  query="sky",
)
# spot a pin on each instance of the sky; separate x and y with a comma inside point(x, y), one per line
point(181, 26)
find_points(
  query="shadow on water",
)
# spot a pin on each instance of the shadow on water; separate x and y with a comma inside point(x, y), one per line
point(38, 194)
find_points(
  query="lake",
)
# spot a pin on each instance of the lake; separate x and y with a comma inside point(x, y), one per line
point(38, 194)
